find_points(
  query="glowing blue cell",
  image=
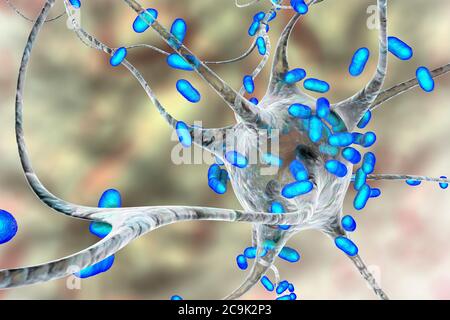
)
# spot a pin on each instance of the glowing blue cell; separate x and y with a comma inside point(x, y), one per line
point(361, 197)
point(425, 79)
point(177, 62)
point(186, 89)
point(413, 182)
point(369, 162)
point(272, 160)
point(337, 168)
point(144, 20)
point(293, 296)
point(236, 159)
point(249, 85)
point(242, 262)
point(259, 16)
point(341, 139)
point(261, 44)
point(100, 229)
point(289, 254)
point(267, 283)
point(97, 268)
point(178, 29)
point(282, 287)
point(300, 111)
point(360, 179)
point(296, 189)
point(118, 56)
point(250, 253)
point(348, 223)
point(375, 193)
point(359, 62)
point(254, 27)
point(316, 85)
point(176, 297)
point(75, 3)
point(111, 198)
point(218, 182)
point(214, 171)
point(443, 185)
point(323, 108)
point(285, 297)
point(254, 100)
point(399, 48)
point(315, 129)
point(365, 120)
point(299, 6)
point(294, 76)
point(184, 134)
point(352, 155)
point(272, 16)
point(8, 226)
point(346, 245)
point(291, 287)
point(298, 171)
point(369, 139)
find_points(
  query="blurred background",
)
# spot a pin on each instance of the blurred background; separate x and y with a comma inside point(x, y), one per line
point(90, 127)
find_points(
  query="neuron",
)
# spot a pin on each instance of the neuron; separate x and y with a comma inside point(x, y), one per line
point(315, 161)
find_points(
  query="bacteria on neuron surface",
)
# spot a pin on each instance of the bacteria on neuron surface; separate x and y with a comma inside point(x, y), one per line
point(324, 148)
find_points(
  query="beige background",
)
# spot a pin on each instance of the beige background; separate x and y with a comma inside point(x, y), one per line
point(90, 127)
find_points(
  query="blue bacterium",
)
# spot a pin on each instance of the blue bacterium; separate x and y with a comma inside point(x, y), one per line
point(294, 76)
point(254, 100)
point(443, 185)
point(276, 207)
point(289, 254)
point(348, 223)
point(97, 268)
point(316, 85)
point(144, 20)
point(346, 245)
point(369, 139)
point(375, 192)
point(361, 197)
point(299, 6)
point(8, 226)
point(352, 155)
point(413, 182)
point(399, 48)
point(293, 296)
point(186, 89)
point(296, 189)
point(282, 287)
point(75, 3)
point(285, 297)
point(300, 111)
point(261, 44)
point(336, 167)
point(178, 62)
point(176, 298)
point(298, 171)
point(250, 253)
point(118, 56)
point(184, 134)
point(291, 287)
point(248, 83)
point(359, 62)
point(267, 283)
point(365, 120)
point(178, 29)
point(111, 198)
point(425, 79)
point(341, 139)
point(259, 16)
point(254, 27)
point(360, 179)
point(219, 183)
point(100, 229)
point(236, 159)
point(241, 261)
point(323, 108)
point(315, 129)
point(369, 162)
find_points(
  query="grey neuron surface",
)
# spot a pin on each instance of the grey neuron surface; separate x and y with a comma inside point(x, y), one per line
point(299, 184)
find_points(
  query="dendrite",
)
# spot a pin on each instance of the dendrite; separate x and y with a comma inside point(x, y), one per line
point(311, 171)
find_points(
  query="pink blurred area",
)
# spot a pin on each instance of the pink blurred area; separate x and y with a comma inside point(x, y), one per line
point(90, 127)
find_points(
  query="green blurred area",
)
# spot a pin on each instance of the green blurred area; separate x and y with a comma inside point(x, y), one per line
point(90, 127)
